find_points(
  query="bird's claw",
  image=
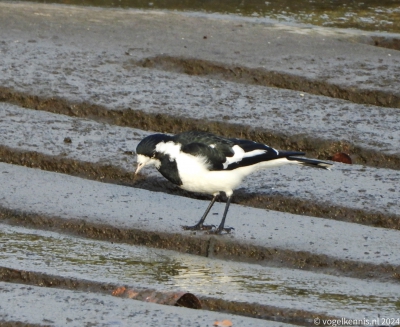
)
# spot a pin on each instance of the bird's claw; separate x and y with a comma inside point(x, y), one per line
point(219, 231)
point(210, 229)
point(199, 227)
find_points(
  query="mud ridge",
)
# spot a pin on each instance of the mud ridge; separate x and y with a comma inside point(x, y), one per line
point(20, 324)
point(317, 148)
point(264, 77)
point(386, 42)
point(46, 280)
point(114, 175)
point(223, 247)
point(298, 317)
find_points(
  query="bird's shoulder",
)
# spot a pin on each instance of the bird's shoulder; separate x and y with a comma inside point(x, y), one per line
point(203, 142)
point(203, 138)
point(215, 149)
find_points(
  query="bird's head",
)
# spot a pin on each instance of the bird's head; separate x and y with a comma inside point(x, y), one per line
point(146, 151)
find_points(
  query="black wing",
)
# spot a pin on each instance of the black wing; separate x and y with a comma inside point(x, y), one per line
point(204, 138)
point(228, 154)
point(212, 147)
point(213, 158)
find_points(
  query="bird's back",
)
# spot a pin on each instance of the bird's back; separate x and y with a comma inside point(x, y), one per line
point(228, 153)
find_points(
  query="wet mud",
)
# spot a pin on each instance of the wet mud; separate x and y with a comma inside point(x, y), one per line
point(386, 42)
point(115, 175)
point(371, 15)
point(318, 148)
point(20, 324)
point(201, 243)
point(181, 299)
point(178, 299)
point(298, 317)
point(206, 246)
point(263, 77)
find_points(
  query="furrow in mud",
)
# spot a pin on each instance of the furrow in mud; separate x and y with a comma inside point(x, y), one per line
point(207, 246)
point(318, 148)
point(261, 311)
point(113, 174)
point(37, 258)
point(305, 58)
point(315, 90)
point(20, 324)
point(264, 77)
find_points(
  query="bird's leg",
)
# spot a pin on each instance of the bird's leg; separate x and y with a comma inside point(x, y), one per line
point(221, 225)
point(200, 225)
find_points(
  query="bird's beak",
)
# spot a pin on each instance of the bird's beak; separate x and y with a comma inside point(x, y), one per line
point(139, 166)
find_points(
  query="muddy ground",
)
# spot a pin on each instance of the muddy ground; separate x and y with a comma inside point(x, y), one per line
point(81, 86)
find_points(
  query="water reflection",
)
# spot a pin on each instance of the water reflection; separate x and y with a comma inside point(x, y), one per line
point(137, 266)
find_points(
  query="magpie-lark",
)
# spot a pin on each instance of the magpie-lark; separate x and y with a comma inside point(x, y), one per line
point(206, 163)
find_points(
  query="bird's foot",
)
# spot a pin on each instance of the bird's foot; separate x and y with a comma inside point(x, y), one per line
point(219, 231)
point(199, 227)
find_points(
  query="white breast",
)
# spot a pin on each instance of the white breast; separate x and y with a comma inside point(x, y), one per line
point(196, 177)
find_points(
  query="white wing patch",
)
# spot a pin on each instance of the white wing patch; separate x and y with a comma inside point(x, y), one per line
point(254, 153)
point(239, 154)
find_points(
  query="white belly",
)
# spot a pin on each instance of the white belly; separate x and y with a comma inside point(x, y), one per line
point(196, 177)
point(211, 182)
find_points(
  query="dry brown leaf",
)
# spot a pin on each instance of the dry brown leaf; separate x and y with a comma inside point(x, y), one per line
point(342, 157)
point(119, 291)
point(223, 323)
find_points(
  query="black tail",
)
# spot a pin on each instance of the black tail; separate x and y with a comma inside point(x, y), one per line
point(311, 162)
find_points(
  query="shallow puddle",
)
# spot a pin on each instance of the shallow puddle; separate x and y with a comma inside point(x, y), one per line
point(67, 256)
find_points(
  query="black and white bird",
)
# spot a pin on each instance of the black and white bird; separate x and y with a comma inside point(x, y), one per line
point(206, 163)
